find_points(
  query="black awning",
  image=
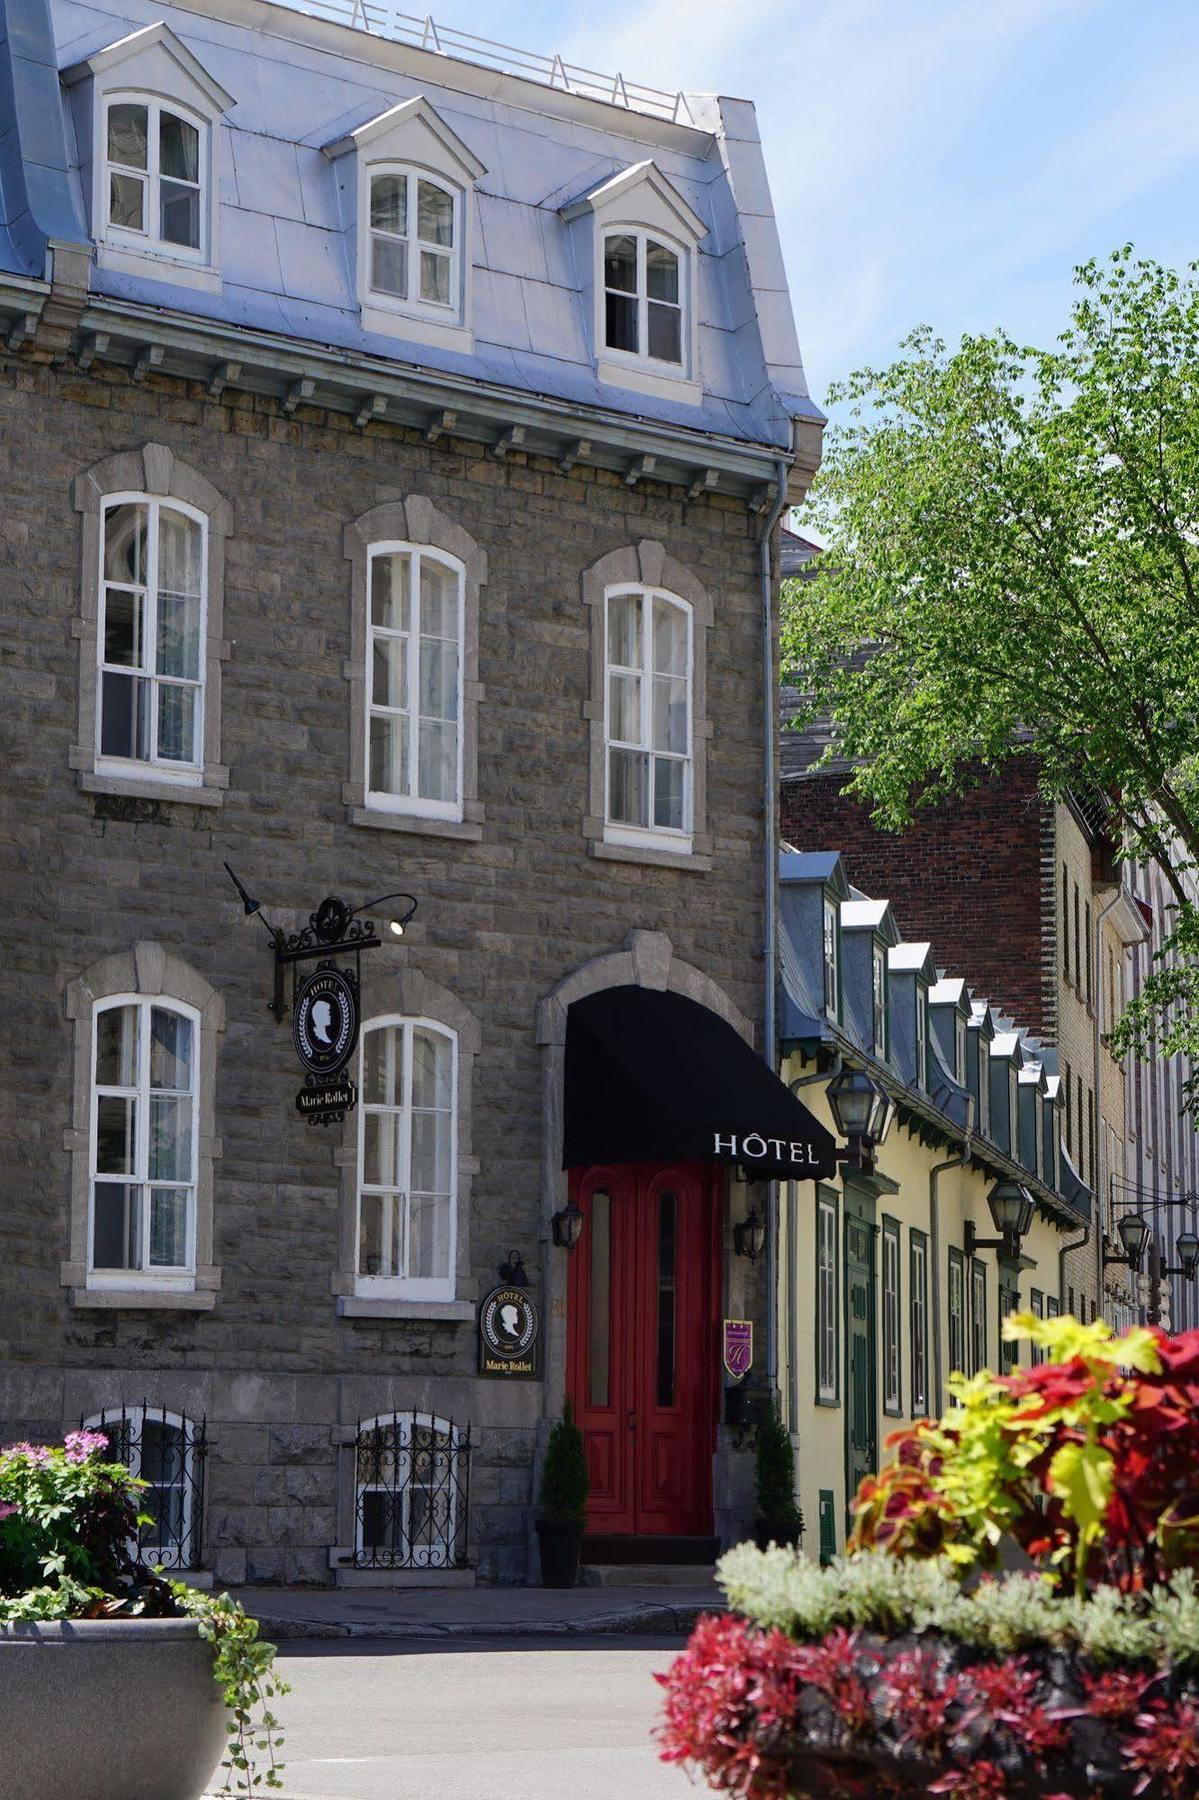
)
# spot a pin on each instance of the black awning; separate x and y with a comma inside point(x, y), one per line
point(655, 1077)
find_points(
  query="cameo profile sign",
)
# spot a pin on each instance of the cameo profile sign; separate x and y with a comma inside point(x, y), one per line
point(509, 1333)
point(325, 1021)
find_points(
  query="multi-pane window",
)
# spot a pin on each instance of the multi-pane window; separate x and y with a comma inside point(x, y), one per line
point(143, 1188)
point(978, 1316)
point(956, 1298)
point(1036, 1301)
point(826, 1299)
point(1013, 1110)
point(415, 229)
point(921, 1034)
point(892, 1371)
point(959, 1048)
point(154, 175)
point(407, 1176)
point(644, 297)
point(879, 999)
point(832, 984)
point(151, 634)
point(1009, 1302)
point(410, 1496)
point(648, 713)
point(918, 1308)
point(414, 669)
point(166, 1451)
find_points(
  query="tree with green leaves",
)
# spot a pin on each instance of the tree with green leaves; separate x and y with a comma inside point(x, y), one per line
point(1013, 570)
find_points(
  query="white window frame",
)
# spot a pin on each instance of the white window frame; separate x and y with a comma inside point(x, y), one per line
point(826, 1300)
point(1013, 1111)
point(653, 837)
point(959, 1048)
point(891, 1296)
point(978, 1315)
point(918, 1304)
point(955, 1308)
point(832, 960)
point(177, 1277)
point(407, 1287)
point(169, 1555)
point(411, 804)
point(878, 999)
point(641, 358)
point(921, 1035)
point(149, 242)
point(424, 1556)
point(166, 769)
point(411, 305)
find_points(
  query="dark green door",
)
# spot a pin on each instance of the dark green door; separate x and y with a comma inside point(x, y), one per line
point(861, 1415)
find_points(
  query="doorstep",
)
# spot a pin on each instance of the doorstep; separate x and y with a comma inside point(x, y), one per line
point(449, 1612)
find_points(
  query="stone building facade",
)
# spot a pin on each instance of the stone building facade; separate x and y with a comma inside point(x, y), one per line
point(222, 421)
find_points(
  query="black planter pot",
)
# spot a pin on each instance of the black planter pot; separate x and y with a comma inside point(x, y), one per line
point(786, 1533)
point(560, 1541)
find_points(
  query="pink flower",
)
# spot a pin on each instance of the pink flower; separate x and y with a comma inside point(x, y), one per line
point(82, 1444)
point(6, 1510)
point(38, 1454)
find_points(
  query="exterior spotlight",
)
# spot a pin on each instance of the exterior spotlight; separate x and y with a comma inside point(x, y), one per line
point(861, 1110)
point(1011, 1207)
point(749, 1238)
point(567, 1225)
point(396, 927)
point(1133, 1231)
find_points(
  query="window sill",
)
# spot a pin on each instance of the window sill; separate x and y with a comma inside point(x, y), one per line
point(159, 267)
point(345, 1575)
point(467, 831)
point(416, 328)
point(136, 787)
point(143, 1299)
point(640, 380)
point(826, 1404)
point(448, 1312)
point(660, 859)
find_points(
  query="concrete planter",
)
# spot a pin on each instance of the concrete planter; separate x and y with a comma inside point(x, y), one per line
point(93, 1709)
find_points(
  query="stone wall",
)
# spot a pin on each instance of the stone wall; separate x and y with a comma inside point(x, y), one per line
point(277, 1372)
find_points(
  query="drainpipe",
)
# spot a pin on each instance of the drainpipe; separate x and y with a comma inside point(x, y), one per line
point(961, 1161)
point(770, 815)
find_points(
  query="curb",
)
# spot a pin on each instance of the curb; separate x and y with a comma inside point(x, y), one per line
point(650, 1620)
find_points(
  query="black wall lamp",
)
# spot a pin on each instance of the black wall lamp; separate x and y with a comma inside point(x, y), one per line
point(567, 1225)
point(1133, 1231)
point(1188, 1256)
point(862, 1111)
point(749, 1237)
point(1012, 1212)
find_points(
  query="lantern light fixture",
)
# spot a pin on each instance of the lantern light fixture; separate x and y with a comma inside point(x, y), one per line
point(1188, 1256)
point(862, 1111)
point(567, 1225)
point(1133, 1231)
point(1011, 1208)
point(749, 1237)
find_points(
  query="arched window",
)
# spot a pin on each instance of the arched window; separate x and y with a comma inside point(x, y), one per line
point(150, 642)
point(645, 297)
point(142, 1216)
point(414, 673)
point(415, 240)
point(407, 1160)
point(165, 1450)
point(410, 1494)
point(648, 734)
point(156, 163)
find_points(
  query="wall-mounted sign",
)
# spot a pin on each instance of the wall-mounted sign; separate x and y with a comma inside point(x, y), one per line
point(509, 1333)
point(738, 1346)
point(325, 1020)
point(325, 1100)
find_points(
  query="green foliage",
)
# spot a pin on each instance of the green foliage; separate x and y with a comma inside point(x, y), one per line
point(1013, 534)
point(68, 1550)
point(565, 1483)
point(774, 1472)
point(243, 1667)
point(876, 1592)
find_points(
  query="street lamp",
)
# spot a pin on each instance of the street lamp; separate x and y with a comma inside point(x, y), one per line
point(861, 1109)
point(749, 1238)
point(1188, 1256)
point(1011, 1207)
point(1133, 1230)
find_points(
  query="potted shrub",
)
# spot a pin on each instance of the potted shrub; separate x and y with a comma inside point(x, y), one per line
point(112, 1680)
point(562, 1499)
point(914, 1666)
point(778, 1519)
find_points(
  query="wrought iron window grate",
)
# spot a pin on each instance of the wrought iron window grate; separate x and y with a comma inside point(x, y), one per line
point(167, 1451)
point(411, 1492)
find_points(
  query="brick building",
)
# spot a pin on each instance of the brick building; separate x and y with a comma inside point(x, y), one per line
point(389, 453)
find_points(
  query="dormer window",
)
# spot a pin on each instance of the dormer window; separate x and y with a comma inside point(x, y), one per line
point(154, 175)
point(641, 239)
point(832, 960)
point(921, 1034)
point(879, 999)
point(146, 118)
point(415, 232)
point(406, 183)
point(643, 297)
point(959, 1048)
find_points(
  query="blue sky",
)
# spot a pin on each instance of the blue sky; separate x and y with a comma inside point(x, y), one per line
point(940, 161)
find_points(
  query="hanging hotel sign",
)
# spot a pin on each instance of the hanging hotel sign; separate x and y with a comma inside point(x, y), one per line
point(738, 1346)
point(509, 1333)
point(325, 1020)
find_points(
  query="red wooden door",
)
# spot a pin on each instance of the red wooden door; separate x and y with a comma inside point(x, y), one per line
point(641, 1367)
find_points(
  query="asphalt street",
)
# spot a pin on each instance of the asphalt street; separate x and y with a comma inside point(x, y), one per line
point(524, 1720)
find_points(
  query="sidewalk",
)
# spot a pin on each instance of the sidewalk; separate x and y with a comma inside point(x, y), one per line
point(287, 1613)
